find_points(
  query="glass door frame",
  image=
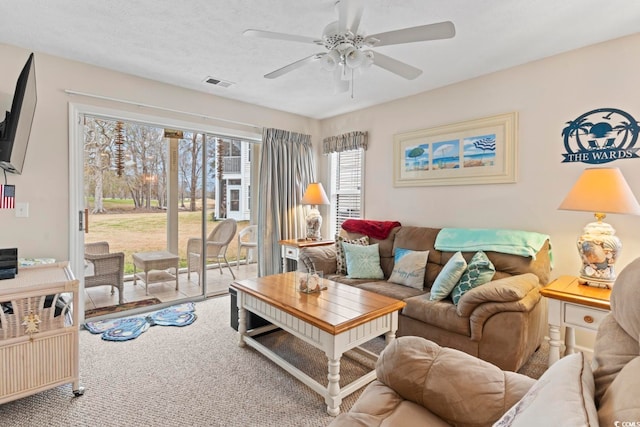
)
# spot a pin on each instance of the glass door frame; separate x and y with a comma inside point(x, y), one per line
point(76, 177)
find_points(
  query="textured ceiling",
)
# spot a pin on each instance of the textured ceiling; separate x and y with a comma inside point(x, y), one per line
point(184, 42)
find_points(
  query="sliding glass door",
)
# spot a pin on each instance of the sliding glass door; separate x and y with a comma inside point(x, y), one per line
point(151, 195)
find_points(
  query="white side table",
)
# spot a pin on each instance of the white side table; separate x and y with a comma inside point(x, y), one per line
point(291, 249)
point(573, 305)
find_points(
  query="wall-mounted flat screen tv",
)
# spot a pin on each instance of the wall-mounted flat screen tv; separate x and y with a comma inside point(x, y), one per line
point(16, 127)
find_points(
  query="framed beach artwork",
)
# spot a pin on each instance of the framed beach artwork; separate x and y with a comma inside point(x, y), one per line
point(481, 151)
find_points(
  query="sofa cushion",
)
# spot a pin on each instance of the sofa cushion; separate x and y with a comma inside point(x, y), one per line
point(613, 349)
point(514, 264)
point(619, 332)
point(478, 272)
point(625, 297)
point(389, 289)
point(429, 375)
point(569, 381)
point(448, 277)
point(421, 239)
point(380, 406)
point(363, 262)
point(620, 401)
point(321, 258)
point(409, 267)
point(341, 262)
point(441, 314)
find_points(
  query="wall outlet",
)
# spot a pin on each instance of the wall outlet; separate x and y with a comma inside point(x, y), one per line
point(22, 210)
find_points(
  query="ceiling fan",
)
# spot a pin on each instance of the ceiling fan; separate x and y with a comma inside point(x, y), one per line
point(348, 49)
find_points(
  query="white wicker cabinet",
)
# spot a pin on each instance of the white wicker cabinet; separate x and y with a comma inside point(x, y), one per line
point(38, 350)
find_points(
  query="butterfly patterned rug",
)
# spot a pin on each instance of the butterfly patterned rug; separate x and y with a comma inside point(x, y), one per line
point(128, 328)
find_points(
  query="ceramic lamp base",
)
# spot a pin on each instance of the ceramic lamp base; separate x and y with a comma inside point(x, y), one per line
point(599, 249)
point(314, 222)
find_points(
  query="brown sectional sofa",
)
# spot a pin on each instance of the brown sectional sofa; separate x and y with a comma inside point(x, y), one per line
point(502, 322)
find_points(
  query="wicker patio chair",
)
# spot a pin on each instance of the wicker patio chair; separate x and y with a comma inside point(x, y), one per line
point(108, 268)
point(216, 247)
point(247, 238)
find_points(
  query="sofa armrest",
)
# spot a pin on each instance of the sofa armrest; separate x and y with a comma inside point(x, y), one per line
point(318, 258)
point(509, 289)
point(512, 294)
point(448, 382)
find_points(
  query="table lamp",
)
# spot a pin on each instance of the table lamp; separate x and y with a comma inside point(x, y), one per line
point(600, 190)
point(314, 196)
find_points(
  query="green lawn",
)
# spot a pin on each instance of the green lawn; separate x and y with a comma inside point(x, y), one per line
point(132, 231)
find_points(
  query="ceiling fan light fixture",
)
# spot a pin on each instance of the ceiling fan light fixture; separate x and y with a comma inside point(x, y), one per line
point(345, 42)
point(354, 58)
point(330, 61)
point(367, 58)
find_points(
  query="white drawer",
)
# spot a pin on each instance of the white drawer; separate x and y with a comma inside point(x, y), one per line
point(583, 317)
point(291, 252)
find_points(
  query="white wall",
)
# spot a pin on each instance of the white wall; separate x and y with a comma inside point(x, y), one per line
point(44, 183)
point(546, 94)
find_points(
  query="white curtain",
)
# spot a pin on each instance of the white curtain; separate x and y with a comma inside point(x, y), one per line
point(286, 168)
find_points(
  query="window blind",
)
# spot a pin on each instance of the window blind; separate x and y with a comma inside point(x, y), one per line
point(348, 168)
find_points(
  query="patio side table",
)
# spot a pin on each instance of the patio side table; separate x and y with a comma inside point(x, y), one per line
point(155, 266)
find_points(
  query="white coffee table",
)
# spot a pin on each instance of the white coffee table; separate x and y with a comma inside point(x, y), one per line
point(155, 266)
point(338, 319)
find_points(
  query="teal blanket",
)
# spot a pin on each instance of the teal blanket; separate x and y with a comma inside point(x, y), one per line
point(515, 242)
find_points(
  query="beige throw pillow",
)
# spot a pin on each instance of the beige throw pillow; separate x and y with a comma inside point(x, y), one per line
point(409, 268)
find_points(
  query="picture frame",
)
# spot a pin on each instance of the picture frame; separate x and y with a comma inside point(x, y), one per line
point(480, 151)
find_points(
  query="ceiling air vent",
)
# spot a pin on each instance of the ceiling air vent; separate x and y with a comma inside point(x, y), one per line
point(217, 82)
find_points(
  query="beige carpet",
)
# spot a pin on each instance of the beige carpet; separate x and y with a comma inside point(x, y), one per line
point(195, 376)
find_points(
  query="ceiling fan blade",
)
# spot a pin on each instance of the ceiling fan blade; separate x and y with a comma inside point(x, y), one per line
point(294, 65)
point(400, 68)
point(349, 15)
point(281, 36)
point(441, 30)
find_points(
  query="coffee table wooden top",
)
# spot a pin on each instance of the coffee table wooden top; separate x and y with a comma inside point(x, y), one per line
point(336, 309)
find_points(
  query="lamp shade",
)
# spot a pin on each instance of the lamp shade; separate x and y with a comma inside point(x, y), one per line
point(315, 195)
point(601, 190)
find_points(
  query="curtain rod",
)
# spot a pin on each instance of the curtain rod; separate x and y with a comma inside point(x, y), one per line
point(171, 110)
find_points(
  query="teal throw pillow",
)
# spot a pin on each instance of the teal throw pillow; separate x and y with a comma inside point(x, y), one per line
point(479, 271)
point(409, 267)
point(363, 262)
point(341, 262)
point(448, 277)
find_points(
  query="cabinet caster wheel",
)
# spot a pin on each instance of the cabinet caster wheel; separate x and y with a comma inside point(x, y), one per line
point(78, 392)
